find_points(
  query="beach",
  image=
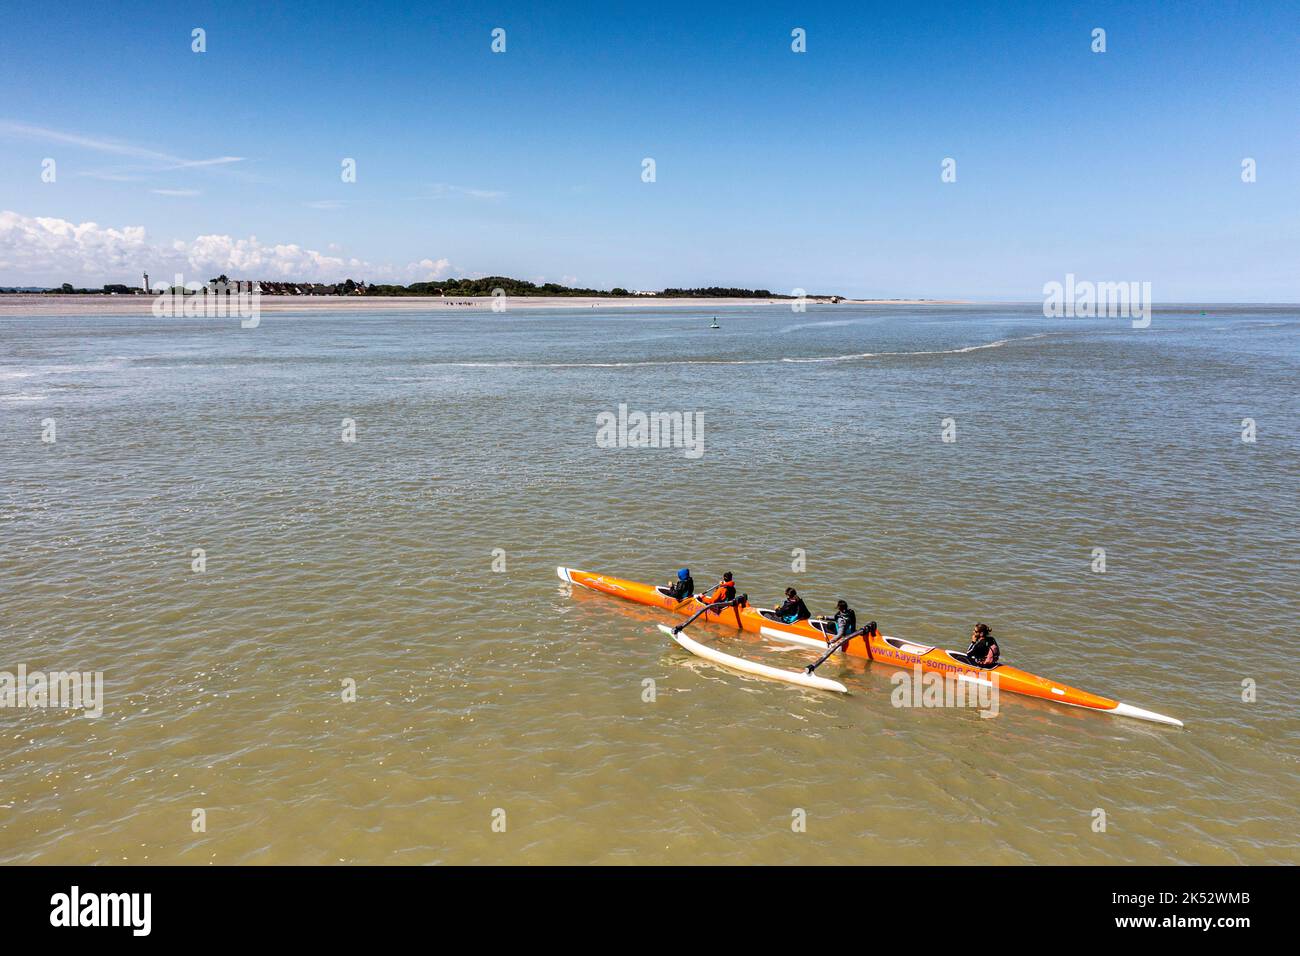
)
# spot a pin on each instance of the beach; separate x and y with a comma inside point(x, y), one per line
point(20, 304)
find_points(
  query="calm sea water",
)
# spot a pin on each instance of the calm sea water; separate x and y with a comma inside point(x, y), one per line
point(480, 691)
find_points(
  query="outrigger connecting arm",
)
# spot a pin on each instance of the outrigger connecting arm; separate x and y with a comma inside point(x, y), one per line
point(737, 601)
point(870, 628)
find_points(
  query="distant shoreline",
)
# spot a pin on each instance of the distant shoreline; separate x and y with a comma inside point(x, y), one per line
point(22, 303)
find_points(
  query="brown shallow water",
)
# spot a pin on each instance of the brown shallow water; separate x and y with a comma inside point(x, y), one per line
point(477, 690)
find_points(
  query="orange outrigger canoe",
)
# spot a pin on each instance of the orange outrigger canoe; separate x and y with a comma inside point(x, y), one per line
point(879, 648)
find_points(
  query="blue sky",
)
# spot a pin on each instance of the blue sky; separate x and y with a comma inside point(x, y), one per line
point(774, 169)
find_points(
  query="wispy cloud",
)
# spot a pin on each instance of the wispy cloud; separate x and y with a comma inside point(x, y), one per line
point(216, 161)
point(110, 175)
point(445, 190)
point(176, 192)
point(326, 204)
point(155, 158)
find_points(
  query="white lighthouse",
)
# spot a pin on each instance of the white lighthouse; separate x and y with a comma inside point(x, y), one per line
point(146, 283)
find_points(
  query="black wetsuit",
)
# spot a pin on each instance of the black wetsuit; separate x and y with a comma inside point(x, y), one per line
point(846, 622)
point(680, 588)
point(793, 608)
point(979, 650)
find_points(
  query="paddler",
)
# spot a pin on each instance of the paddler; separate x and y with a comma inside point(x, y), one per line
point(983, 650)
point(726, 590)
point(844, 619)
point(793, 609)
point(683, 587)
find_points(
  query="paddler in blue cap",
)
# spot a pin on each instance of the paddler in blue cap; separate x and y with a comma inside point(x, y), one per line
point(683, 587)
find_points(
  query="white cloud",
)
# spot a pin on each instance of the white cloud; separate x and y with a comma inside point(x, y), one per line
point(426, 270)
point(176, 192)
point(38, 250)
point(251, 258)
point(44, 251)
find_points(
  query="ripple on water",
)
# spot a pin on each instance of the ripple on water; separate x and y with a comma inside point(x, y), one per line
point(331, 565)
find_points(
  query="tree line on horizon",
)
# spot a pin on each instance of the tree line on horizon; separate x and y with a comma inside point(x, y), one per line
point(485, 286)
point(488, 285)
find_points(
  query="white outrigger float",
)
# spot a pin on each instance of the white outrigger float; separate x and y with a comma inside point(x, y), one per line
point(801, 678)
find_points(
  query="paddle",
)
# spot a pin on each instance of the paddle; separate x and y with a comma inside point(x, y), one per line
point(709, 607)
point(702, 596)
point(868, 629)
point(692, 597)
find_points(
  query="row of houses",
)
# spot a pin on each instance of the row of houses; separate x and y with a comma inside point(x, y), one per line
point(308, 288)
point(224, 284)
